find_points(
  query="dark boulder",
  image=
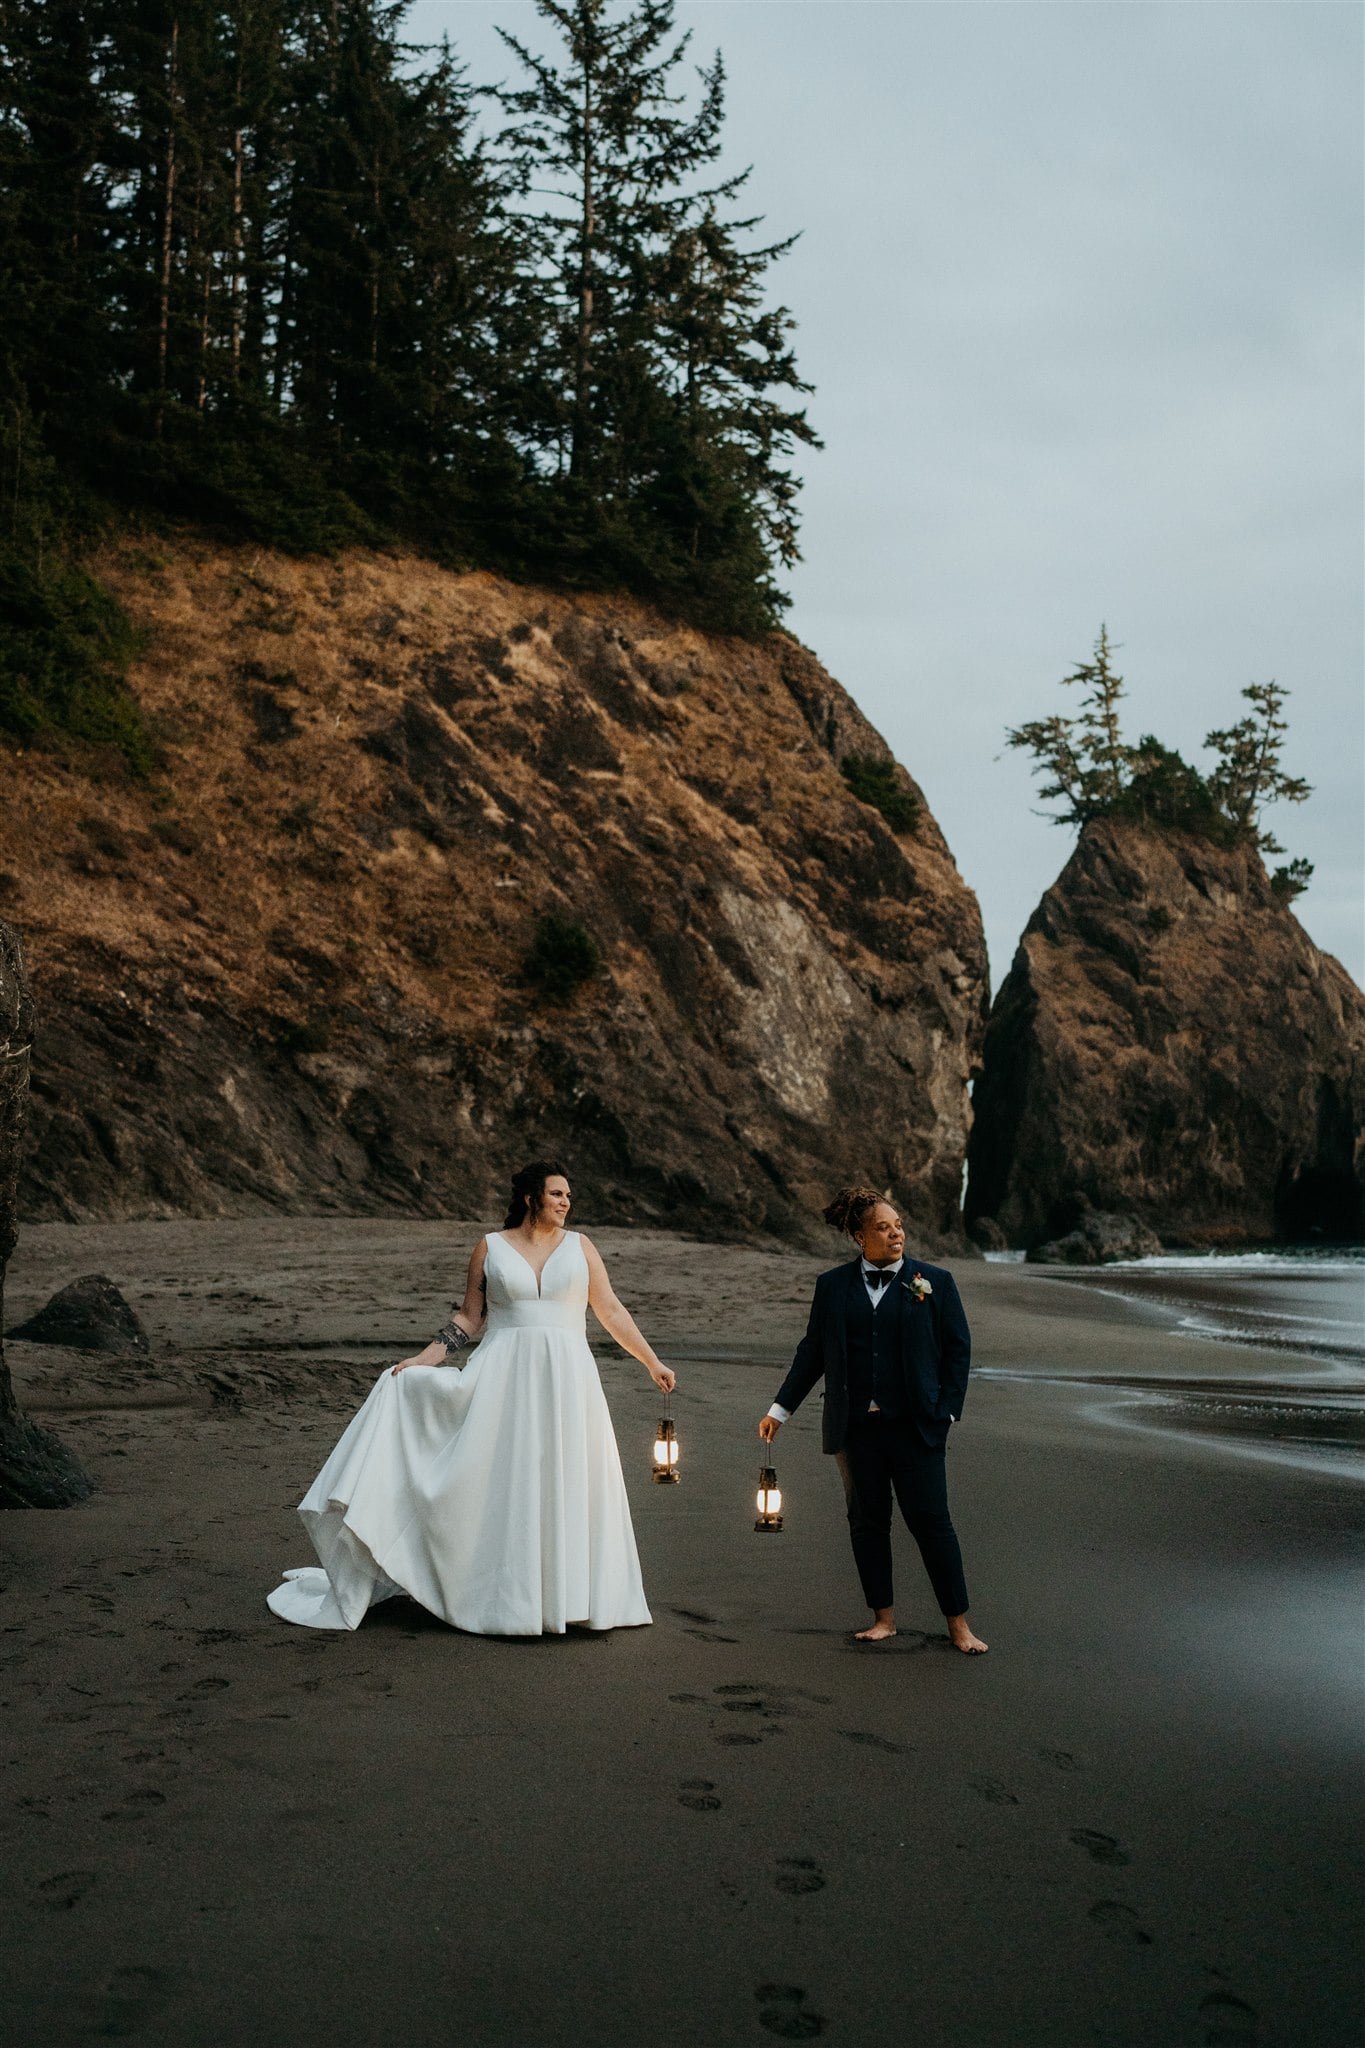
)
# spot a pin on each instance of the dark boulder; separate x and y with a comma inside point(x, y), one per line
point(985, 1233)
point(88, 1315)
point(1097, 1238)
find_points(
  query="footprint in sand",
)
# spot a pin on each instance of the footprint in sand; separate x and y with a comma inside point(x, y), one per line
point(1060, 1759)
point(133, 1995)
point(136, 1805)
point(799, 1875)
point(992, 1790)
point(742, 1698)
point(698, 1795)
point(782, 2012)
point(1228, 2022)
point(771, 1700)
point(1099, 1848)
point(66, 1889)
point(1118, 1923)
point(861, 1736)
point(200, 1687)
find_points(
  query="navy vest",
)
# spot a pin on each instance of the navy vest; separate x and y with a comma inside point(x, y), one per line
point(874, 1350)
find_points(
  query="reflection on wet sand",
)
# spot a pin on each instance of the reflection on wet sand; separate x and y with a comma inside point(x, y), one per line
point(1292, 1310)
point(1313, 1306)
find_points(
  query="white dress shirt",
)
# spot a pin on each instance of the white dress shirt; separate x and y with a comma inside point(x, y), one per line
point(874, 1295)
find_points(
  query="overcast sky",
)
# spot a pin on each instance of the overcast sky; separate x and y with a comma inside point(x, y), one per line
point(1079, 286)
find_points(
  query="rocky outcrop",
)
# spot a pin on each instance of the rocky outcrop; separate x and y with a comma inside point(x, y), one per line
point(35, 1469)
point(1097, 1238)
point(1170, 1043)
point(87, 1315)
point(309, 969)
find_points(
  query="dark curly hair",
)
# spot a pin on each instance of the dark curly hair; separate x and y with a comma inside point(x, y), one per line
point(849, 1207)
point(528, 1190)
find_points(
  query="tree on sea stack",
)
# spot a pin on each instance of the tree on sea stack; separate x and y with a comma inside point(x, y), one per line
point(1090, 772)
point(36, 1471)
point(1249, 776)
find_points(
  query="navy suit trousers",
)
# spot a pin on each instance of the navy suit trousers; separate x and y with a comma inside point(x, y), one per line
point(882, 1455)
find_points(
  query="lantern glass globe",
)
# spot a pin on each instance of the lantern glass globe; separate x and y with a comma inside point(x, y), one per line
point(665, 1454)
point(769, 1501)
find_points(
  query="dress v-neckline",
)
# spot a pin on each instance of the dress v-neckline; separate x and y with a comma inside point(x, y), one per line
point(537, 1277)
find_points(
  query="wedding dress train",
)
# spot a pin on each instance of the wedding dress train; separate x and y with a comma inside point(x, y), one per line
point(491, 1493)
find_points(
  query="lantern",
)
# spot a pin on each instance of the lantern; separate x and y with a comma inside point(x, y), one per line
point(666, 1450)
point(769, 1502)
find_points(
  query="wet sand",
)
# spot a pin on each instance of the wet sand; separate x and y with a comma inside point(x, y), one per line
point(1133, 1823)
point(1310, 1307)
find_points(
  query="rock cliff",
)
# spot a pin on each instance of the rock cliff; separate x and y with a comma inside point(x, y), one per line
point(36, 1470)
point(1169, 1042)
point(293, 972)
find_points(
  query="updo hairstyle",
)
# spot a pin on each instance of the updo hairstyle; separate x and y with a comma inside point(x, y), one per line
point(850, 1205)
point(528, 1191)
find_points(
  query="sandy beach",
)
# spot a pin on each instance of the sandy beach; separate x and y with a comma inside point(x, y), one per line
point(1135, 1822)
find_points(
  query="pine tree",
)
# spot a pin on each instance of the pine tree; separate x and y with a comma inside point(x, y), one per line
point(721, 353)
point(664, 357)
point(1248, 775)
point(399, 311)
point(600, 135)
point(1100, 742)
point(1085, 757)
point(55, 207)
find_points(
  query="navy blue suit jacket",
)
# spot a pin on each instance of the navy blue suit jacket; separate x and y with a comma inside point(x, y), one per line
point(936, 1351)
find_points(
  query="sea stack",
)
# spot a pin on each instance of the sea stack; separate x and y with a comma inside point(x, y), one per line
point(1170, 1044)
point(438, 873)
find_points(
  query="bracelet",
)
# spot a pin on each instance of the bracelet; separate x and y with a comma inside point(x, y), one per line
point(453, 1337)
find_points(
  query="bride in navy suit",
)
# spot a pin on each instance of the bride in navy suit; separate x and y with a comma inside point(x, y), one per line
point(889, 1337)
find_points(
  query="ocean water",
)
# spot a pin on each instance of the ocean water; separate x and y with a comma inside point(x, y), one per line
point(1309, 1303)
point(1301, 1403)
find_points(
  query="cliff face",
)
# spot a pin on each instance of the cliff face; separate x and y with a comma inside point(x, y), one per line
point(36, 1471)
point(293, 974)
point(1170, 1042)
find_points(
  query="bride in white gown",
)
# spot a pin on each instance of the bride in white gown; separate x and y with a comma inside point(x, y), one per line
point(491, 1493)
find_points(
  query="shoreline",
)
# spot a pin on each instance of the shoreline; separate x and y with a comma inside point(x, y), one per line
point(1312, 1309)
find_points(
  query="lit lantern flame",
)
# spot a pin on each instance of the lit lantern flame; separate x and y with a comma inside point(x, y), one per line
point(769, 1502)
point(666, 1453)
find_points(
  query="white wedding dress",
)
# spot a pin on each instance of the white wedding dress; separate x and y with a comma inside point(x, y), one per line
point(492, 1493)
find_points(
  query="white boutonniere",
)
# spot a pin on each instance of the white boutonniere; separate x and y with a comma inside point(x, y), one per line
point(920, 1287)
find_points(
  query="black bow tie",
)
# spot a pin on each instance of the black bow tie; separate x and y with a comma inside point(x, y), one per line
point(878, 1276)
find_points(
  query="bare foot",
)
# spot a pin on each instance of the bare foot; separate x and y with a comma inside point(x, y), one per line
point(884, 1625)
point(963, 1639)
